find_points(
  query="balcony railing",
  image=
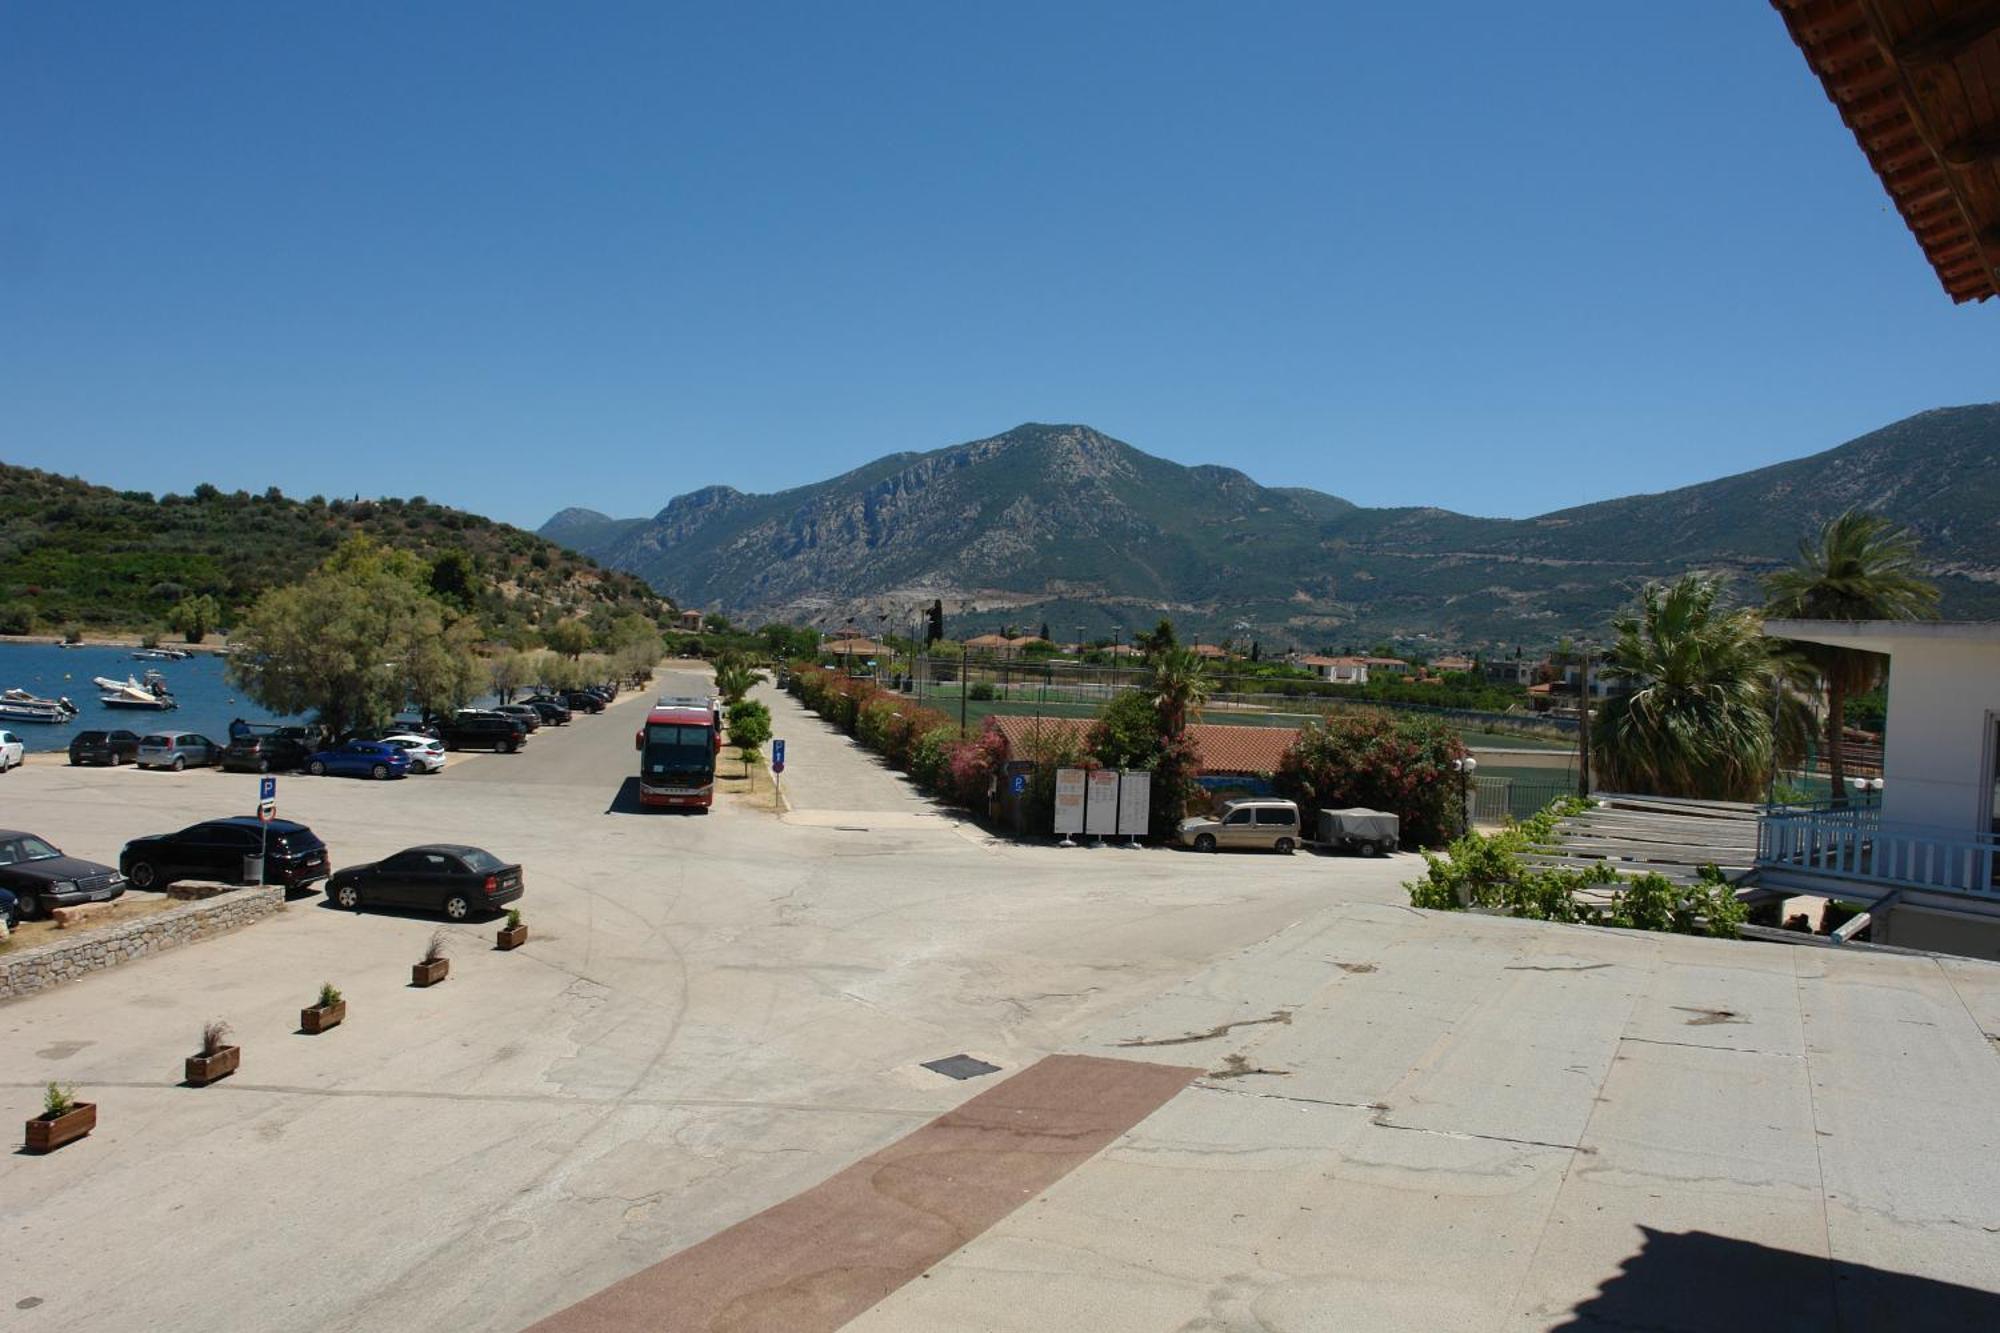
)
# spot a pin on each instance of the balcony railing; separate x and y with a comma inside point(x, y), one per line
point(1854, 845)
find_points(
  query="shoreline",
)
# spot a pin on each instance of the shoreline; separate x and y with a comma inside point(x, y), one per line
point(114, 641)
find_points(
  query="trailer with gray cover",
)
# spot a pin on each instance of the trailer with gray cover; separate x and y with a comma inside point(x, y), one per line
point(1369, 832)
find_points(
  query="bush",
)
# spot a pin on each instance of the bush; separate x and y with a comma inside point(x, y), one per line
point(72, 634)
point(1384, 761)
point(1487, 870)
point(981, 691)
point(17, 618)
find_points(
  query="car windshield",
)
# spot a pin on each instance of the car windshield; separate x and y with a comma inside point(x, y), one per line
point(16, 850)
point(482, 861)
point(670, 746)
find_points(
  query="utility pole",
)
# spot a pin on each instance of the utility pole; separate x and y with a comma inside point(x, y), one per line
point(1583, 720)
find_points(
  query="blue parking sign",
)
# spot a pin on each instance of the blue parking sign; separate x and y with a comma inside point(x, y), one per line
point(267, 789)
point(1018, 784)
point(777, 756)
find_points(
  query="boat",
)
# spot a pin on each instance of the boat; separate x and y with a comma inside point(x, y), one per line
point(161, 655)
point(20, 706)
point(129, 693)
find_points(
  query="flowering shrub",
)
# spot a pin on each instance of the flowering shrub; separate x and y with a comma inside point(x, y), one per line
point(969, 768)
point(910, 737)
point(1384, 761)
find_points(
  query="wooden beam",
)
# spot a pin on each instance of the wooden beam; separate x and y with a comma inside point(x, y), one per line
point(1970, 150)
point(1944, 42)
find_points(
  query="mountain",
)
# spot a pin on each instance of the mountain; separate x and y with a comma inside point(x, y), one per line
point(71, 552)
point(1060, 523)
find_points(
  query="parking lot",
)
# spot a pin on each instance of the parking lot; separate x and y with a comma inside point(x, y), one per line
point(712, 1013)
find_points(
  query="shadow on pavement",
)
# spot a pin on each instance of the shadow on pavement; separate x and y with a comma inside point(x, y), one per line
point(1696, 1281)
point(626, 802)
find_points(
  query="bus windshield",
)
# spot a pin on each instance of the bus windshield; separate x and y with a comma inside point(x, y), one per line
point(672, 747)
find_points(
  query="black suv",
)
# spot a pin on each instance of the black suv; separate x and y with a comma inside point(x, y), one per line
point(104, 747)
point(268, 751)
point(527, 715)
point(554, 711)
point(41, 878)
point(293, 855)
point(583, 701)
point(474, 730)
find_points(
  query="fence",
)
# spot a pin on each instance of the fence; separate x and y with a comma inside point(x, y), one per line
point(1499, 798)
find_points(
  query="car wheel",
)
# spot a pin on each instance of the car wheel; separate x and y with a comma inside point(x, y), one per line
point(348, 896)
point(458, 907)
point(1204, 842)
point(379, 772)
point(506, 747)
point(1371, 849)
point(1284, 845)
point(318, 769)
point(28, 905)
point(179, 764)
point(143, 875)
point(75, 762)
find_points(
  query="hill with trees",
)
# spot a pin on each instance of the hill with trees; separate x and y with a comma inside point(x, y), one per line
point(75, 554)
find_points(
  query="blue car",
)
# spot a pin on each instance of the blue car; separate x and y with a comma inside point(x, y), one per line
point(360, 759)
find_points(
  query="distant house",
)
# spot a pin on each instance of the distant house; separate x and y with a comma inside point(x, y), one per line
point(855, 647)
point(691, 621)
point(1339, 670)
point(1225, 751)
point(1211, 651)
point(1511, 671)
point(1449, 666)
point(1024, 642)
point(1386, 666)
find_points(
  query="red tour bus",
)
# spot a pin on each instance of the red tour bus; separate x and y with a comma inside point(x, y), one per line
point(677, 749)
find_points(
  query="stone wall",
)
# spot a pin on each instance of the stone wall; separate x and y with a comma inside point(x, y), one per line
point(24, 972)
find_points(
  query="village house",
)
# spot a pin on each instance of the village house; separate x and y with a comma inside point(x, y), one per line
point(1338, 670)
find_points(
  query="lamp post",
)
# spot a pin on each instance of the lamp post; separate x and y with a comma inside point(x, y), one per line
point(1465, 767)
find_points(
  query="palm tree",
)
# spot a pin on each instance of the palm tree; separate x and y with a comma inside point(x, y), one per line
point(1179, 685)
point(733, 678)
point(1860, 567)
point(1690, 712)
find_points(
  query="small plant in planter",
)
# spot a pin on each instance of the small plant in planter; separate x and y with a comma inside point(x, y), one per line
point(328, 1013)
point(217, 1059)
point(62, 1120)
point(434, 967)
point(515, 933)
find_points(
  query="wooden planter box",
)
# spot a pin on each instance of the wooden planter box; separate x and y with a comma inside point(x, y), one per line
point(203, 1070)
point(47, 1133)
point(318, 1019)
point(513, 937)
point(430, 974)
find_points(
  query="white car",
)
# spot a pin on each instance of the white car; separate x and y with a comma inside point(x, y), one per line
point(426, 752)
point(12, 751)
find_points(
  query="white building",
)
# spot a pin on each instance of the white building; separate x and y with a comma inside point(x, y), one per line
point(1339, 670)
point(1923, 856)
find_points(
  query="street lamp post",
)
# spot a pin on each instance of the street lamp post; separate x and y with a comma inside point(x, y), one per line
point(1465, 768)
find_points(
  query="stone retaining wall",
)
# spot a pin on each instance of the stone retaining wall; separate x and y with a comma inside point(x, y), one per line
point(27, 971)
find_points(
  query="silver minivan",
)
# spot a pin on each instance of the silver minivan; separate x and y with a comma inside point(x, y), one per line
point(177, 750)
point(1250, 821)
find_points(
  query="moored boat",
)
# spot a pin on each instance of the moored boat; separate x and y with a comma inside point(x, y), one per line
point(130, 693)
point(20, 706)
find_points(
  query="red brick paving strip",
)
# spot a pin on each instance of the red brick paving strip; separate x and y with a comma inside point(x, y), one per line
point(820, 1258)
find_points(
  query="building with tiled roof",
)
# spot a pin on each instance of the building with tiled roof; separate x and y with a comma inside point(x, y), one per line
point(1339, 670)
point(989, 642)
point(1225, 750)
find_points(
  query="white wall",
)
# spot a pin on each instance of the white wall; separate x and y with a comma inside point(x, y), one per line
point(1935, 764)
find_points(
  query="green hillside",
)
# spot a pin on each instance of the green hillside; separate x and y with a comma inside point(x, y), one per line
point(76, 554)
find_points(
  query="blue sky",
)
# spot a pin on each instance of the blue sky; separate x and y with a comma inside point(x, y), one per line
point(516, 257)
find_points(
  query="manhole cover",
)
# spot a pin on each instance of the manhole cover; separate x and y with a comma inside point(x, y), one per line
point(961, 1066)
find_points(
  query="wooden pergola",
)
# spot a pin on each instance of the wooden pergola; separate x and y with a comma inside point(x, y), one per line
point(1918, 81)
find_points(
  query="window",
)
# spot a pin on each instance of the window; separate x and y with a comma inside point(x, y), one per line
point(1238, 817)
point(1274, 814)
point(484, 863)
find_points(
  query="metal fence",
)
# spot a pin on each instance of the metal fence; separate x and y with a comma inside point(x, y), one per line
point(1498, 798)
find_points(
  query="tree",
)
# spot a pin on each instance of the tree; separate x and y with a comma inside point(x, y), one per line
point(1859, 567)
point(1127, 733)
point(733, 678)
point(355, 641)
point(749, 727)
point(1156, 640)
point(571, 638)
point(508, 673)
point(193, 617)
point(1179, 685)
point(455, 578)
point(934, 628)
point(1691, 709)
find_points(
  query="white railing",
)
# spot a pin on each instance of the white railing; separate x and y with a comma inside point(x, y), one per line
point(1854, 844)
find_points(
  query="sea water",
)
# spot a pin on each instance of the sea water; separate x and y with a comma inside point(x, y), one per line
point(207, 699)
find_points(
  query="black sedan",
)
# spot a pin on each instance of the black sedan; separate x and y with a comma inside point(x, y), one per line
point(104, 747)
point(451, 878)
point(218, 851)
point(42, 879)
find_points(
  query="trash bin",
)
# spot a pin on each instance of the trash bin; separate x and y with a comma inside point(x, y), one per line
point(253, 869)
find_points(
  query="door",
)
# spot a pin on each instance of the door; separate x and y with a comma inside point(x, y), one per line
point(396, 881)
point(1239, 829)
point(1275, 822)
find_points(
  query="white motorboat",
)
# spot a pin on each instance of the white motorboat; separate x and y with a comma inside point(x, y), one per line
point(150, 693)
point(21, 706)
point(161, 655)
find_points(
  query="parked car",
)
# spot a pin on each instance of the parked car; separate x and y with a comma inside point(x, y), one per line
point(104, 747)
point(177, 750)
point(217, 850)
point(528, 716)
point(269, 751)
point(1254, 821)
point(40, 878)
point(583, 701)
point(10, 908)
point(425, 753)
point(13, 750)
point(443, 877)
point(359, 759)
point(554, 712)
point(411, 726)
point(474, 729)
